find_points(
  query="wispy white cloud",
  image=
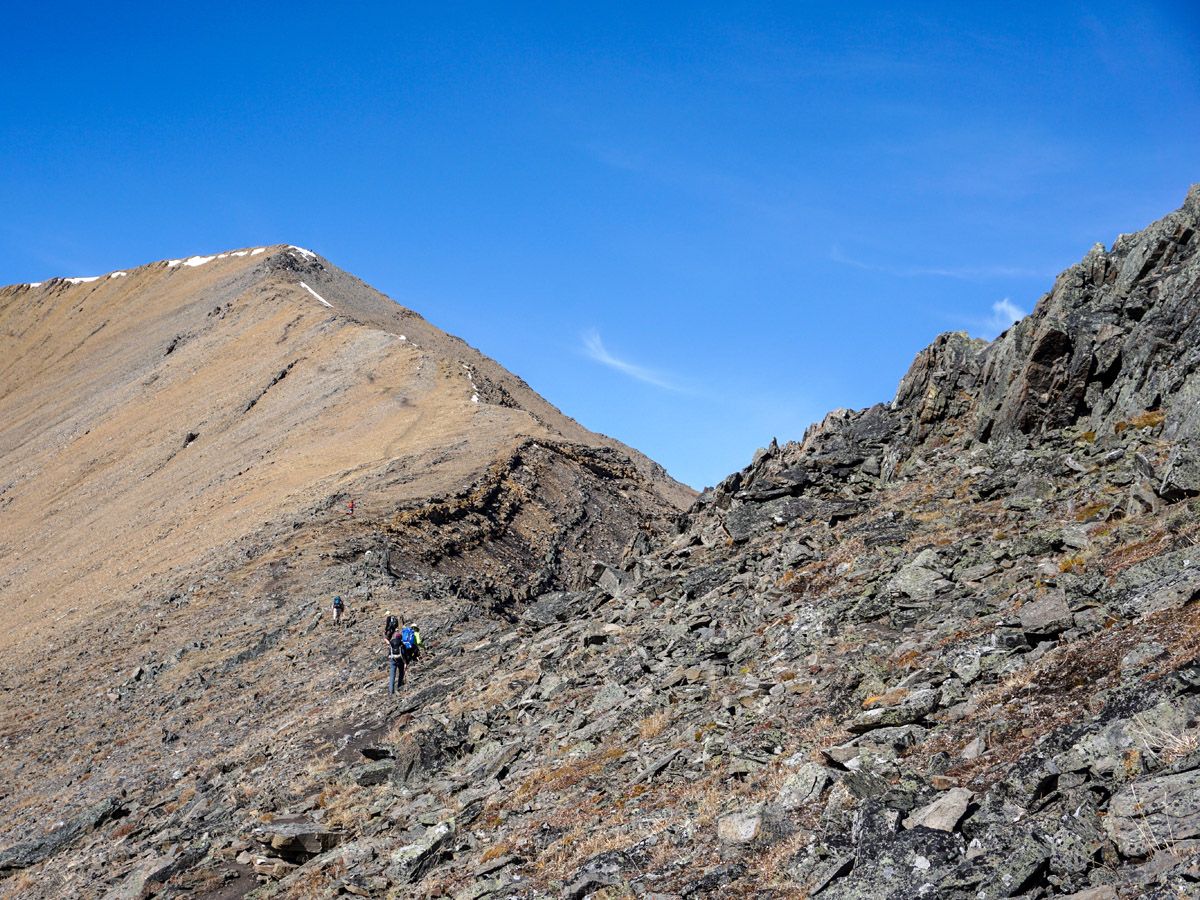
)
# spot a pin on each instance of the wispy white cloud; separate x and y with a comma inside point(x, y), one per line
point(594, 347)
point(1004, 314)
point(964, 273)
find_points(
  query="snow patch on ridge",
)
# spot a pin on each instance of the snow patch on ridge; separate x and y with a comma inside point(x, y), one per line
point(315, 294)
point(195, 261)
point(474, 386)
point(82, 280)
point(307, 254)
point(119, 275)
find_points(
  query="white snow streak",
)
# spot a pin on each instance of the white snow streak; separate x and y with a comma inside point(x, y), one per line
point(315, 294)
point(118, 275)
point(34, 284)
point(82, 280)
point(258, 250)
point(307, 254)
point(194, 261)
point(474, 386)
point(172, 263)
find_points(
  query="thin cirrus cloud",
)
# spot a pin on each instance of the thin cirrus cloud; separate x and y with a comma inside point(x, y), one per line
point(965, 273)
point(594, 347)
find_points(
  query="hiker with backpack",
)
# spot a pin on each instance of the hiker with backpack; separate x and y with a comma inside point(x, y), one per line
point(390, 626)
point(338, 608)
point(395, 661)
point(410, 643)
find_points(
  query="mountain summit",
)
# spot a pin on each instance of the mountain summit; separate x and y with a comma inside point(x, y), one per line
point(154, 418)
point(946, 646)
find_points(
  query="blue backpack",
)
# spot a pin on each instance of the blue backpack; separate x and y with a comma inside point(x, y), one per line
point(408, 638)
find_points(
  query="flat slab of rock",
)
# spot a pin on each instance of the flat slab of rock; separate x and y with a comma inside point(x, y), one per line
point(410, 862)
point(739, 827)
point(803, 786)
point(1154, 813)
point(1046, 616)
point(912, 708)
point(944, 813)
point(373, 773)
point(302, 839)
point(24, 855)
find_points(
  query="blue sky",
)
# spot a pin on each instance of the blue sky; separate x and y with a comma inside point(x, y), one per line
point(691, 226)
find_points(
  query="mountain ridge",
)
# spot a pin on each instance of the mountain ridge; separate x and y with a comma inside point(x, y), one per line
point(947, 645)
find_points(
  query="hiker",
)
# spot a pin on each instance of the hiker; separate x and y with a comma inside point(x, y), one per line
point(390, 626)
point(396, 662)
point(350, 508)
point(410, 642)
point(338, 608)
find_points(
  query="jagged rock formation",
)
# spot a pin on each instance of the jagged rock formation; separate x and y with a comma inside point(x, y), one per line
point(942, 647)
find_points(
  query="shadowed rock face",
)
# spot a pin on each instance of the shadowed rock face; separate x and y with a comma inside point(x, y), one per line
point(944, 647)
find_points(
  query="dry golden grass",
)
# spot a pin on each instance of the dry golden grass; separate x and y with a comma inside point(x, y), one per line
point(123, 829)
point(564, 857)
point(888, 698)
point(1090, 510)
point(565, 775)
point(1149, 419)
point(20, 886)
point(654, 724)
point(1162, 540)
point(1073, 564)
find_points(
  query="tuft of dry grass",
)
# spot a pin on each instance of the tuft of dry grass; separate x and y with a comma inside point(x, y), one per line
point(496, 851)
point(1089, 511)
point(1162, 540)
point(125, 828)
point(654, 725)
point(22, 885)
point(888, 698)
point(1149, 419)
point(565, 775)
point(1072, 564)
